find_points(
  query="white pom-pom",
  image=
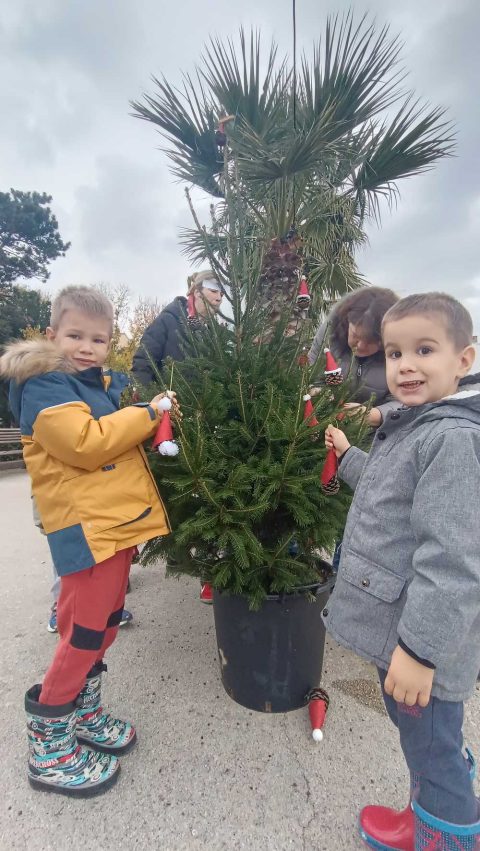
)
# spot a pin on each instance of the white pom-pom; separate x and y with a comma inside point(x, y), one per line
point(168, 447)
point(317, 735)
point(306, 397)
point(326, 351)
point(164, 404)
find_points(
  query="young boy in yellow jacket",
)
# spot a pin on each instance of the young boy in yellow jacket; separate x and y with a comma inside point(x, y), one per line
point(97, 500)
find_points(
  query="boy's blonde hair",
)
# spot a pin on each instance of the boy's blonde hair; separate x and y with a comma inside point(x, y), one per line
point(456, 318)
point(195, 281)
point(86, 299)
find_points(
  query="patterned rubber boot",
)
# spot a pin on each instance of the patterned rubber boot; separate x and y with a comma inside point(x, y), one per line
point(388, 830)
point(57, 763)
point(97, 728)
point(394, 830)
point(433, 834)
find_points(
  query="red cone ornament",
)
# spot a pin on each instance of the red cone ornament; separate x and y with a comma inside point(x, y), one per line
point(303, 297)
point(318, 701)
point(163, 440)
point(333, 373)
point(329, 480)
point(308, 414)
point(302, 359)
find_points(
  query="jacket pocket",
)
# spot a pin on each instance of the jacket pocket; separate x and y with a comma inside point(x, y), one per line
point(114, 495)
point(373, 579)
point(366, 605)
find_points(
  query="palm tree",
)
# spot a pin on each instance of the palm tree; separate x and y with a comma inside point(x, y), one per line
point(315, 151)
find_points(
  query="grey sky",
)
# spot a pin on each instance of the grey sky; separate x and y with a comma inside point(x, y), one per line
point(68, 71)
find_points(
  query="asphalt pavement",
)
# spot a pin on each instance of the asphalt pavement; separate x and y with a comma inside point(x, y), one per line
point(207, 773)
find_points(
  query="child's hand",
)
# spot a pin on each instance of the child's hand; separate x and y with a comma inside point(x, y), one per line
point(374, 416)
point(408, 681)
point(170, 394)
point(336, 440)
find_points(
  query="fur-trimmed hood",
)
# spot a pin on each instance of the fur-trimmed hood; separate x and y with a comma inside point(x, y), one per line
point(27, 358)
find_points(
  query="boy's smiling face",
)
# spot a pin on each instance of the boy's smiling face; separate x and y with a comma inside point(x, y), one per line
point(82, 338)
point(422, 360)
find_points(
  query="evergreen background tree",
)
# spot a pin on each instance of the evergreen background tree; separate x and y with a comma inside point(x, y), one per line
point(21, 309)
point(29, 237)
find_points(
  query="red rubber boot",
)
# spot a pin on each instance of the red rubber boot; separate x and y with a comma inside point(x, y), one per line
point(388, 830)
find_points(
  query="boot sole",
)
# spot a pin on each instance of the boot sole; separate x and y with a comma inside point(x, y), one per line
point(75, 792)
point(103, 749)
point(374, 843)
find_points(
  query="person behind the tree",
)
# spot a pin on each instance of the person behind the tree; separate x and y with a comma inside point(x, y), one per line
point(166, 336)
point(352, 332)
point(97, 500)
point(407, 595)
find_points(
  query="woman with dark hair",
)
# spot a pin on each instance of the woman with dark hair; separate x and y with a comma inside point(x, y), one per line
point(352, 332)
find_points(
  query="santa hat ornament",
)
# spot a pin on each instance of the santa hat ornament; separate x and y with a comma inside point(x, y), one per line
point(333, 373)
point(303, 296)
point(192, 318)
point(318, 701)
point(302, 359)
point(308, 412)
point(163, 440)
point(220, 135)
point(329, 480)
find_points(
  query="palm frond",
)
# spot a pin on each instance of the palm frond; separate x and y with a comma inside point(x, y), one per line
point(356, 71)
point(188, 120)
point(239, 88)
point(415, 139)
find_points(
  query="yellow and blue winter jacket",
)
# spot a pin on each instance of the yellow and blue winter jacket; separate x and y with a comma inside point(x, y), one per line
point(90, 476)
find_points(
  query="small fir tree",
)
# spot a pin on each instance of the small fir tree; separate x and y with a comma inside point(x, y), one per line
point(244, 496)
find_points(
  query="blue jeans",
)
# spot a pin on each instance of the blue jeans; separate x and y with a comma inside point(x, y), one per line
point(432, 744)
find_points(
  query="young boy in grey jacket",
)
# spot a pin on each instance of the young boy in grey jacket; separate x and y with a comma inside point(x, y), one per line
point(407, 596)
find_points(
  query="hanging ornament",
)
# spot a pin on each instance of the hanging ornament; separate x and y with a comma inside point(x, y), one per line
point(329, 479)
point(308, 412)
point(220, 135)
point(193, 319)
point(303, 296)
point(302, 359)
point(333, 373)
point(318, 701)
point(163, 440)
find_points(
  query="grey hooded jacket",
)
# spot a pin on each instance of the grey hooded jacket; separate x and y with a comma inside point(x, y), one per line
point(410, 565)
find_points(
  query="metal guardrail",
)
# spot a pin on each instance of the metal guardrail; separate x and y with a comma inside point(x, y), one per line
point(11, 453)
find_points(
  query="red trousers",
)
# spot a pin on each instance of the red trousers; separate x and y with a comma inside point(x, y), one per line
point(89, 611)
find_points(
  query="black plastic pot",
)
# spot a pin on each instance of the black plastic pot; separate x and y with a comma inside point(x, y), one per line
point(271, 658)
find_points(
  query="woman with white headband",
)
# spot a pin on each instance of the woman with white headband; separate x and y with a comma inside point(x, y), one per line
point(166, 335)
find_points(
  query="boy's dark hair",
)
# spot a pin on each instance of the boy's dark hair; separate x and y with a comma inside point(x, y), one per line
point(364, 308)
point(457, 320)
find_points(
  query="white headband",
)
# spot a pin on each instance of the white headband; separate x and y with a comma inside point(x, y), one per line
point(212, 284)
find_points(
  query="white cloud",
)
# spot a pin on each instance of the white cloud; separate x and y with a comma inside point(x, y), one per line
point(69, 70)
